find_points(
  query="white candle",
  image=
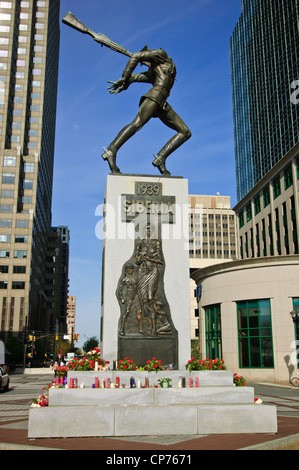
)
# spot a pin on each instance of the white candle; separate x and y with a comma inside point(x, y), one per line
point(138, 383)
point(96, 365)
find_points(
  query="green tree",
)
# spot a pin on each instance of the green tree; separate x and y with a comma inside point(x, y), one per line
point(90, 343)
point(195, 352)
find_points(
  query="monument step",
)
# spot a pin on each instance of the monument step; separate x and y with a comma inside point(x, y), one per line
point(140, 420)
point(205, 377)
point(150, 396)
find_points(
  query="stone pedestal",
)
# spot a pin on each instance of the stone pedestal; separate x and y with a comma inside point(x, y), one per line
point(215, 406)
point(145, 274)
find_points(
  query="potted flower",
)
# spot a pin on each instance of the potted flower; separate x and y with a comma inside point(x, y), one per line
point(164, 382)
point(153, 364)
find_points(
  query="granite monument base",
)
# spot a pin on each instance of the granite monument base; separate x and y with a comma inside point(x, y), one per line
point(215, 406)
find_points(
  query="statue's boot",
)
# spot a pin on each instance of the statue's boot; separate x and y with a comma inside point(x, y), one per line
point(174, 143)
point(159, 162)
point(110, 156)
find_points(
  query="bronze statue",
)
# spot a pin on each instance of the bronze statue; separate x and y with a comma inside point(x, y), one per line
point(161, 75)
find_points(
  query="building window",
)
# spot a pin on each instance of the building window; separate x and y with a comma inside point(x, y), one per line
point(213, 331)
point(28, 167)
point(5, 208)
point(18, 285)
point(21, 239)
point(248, 213)
point(4, 254)
point(266, 196)
point(26, 199)
point(276, 187)
point(4, 238)
point(255, 334)
point(257, 205)
point(3, 269)
point(19, 269)
point(5, 4)
point(5, 223)
point(241, 219)
point(5, 16)
point(8, 178)
point(3, 284)
point(20, 254)
point(27, 184)
point(288, 178)
point(22, 223)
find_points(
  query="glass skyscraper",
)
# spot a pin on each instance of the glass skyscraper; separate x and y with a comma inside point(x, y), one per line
point(29, 50)
point(264, 50)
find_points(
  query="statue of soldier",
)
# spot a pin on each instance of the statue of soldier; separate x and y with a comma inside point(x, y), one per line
point(161, 74)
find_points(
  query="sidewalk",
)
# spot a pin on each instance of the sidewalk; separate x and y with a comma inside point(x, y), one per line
point(287, 438)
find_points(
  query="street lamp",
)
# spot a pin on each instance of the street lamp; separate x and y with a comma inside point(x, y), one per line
point(295, 316)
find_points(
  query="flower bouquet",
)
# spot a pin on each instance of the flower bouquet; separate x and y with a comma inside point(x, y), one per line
point(153, 364)
point(42, 400)
point(205, 364)
point(239, 381)
point(81, 364)
point(62, 371)
point(93, 361)
point(94, 354)
point(126, 364)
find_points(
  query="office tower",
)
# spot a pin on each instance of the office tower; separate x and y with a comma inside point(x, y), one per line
point(212, 240)
point(29, 49)
point(64, 234)
point(212, 229)
point(56, 282)
point(71, 314)
point(264, 69)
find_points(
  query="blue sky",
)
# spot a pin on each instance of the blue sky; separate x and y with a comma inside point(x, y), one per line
point(195, 34)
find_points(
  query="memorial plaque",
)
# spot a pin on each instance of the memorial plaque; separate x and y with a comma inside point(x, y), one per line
point(145, 326)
